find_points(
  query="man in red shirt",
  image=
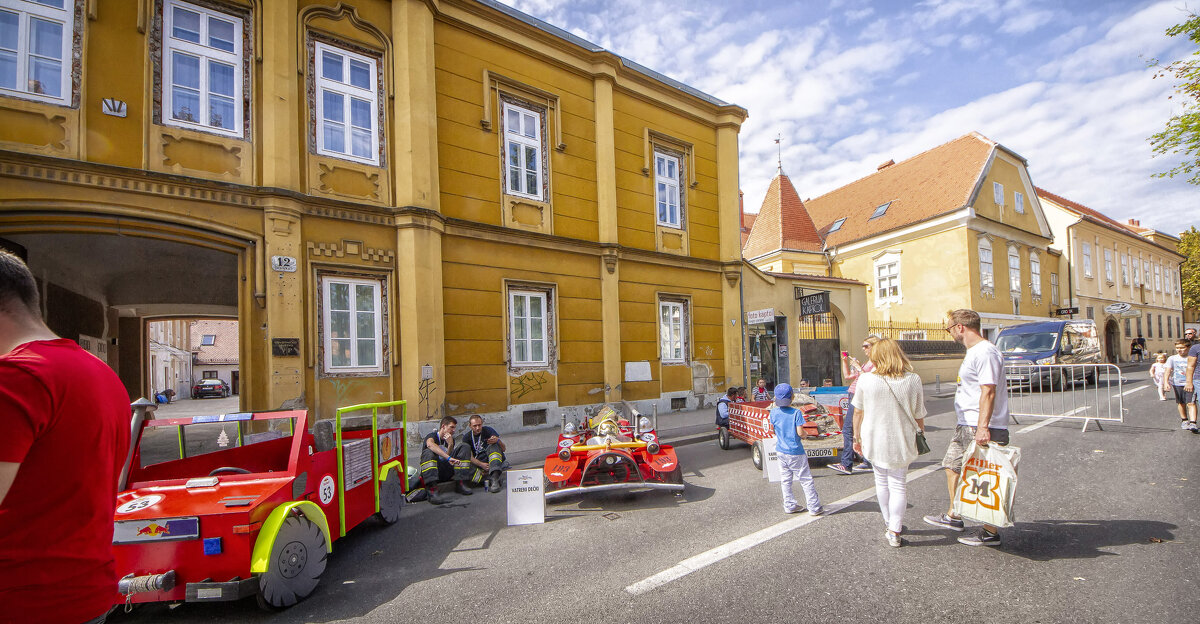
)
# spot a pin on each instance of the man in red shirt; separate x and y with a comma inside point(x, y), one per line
point(64, 434)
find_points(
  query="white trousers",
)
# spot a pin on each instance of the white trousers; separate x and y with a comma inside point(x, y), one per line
point(891, 490)
point(795, 468)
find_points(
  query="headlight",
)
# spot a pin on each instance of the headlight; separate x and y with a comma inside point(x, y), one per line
point(652, 448)
point(569, 428)
point(1049, 360)
point(564, 454)
point(644, 423)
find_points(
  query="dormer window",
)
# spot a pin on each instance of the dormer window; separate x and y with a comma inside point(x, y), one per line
point(837, 225)
point(880, 211)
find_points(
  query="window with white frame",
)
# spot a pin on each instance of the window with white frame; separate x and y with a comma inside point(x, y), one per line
point(672, 330)
point(1087, 259)
point(208, 340)
point(986, 274)
point(347, 104)
point(998, 193)
point(1146, 273)
point(1157, 279)
point(35, 49)
point(666, 189)
point(1014, 270)
point(352, 324)
point(1137, 271)
point(887, 278)
point(528, 327)
point(1124, 270)
point(202, 69)
point(1035, 275)
point(1054, 288)
point(1019, 202)
point(1108, 265)
point(523, 149)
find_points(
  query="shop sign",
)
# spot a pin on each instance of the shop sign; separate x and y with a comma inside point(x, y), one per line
point(816, 303)
point(755, 317)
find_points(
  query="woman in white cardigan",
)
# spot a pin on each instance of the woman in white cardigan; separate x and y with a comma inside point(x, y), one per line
point(889, 409)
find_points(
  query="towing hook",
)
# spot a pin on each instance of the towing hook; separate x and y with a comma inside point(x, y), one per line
point(131, 584)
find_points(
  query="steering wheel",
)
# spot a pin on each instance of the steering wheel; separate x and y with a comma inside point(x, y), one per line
point(228, 469)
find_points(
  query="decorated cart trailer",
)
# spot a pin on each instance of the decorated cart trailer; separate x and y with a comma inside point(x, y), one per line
point(215, 508)
point(609, 452)
point(823, 410)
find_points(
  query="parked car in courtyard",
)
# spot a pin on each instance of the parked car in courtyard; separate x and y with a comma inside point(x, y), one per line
point(210, 388)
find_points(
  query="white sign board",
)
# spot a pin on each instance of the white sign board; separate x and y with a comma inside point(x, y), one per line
point(770, 461)
point(1117, 308)
point(760, 316)
point(637, 371)
point(526, 500)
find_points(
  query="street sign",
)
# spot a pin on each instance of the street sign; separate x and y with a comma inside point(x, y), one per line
point(1066, 311)
point(816, 303)
point(1117, 308)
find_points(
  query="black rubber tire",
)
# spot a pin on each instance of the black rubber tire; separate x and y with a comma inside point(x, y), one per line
point(296, 563)
point(723, 438)
point(391, 498)
point(756, 455)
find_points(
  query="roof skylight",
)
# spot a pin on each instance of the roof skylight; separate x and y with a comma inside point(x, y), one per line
point(880, 211)
point(837, 225)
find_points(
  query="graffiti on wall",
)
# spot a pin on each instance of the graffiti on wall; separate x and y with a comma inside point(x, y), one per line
point(529, 382)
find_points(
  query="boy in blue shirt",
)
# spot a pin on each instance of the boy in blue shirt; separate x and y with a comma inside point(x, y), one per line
point(793, 464)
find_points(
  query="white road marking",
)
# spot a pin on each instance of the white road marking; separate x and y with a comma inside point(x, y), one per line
point(1132, 390)
point(1034, 426)
point(724, 551)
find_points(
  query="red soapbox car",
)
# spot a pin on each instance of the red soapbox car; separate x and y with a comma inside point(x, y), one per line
point(216, 508)
point(607, 452)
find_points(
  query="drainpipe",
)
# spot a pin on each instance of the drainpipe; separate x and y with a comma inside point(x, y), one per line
point(742, 320)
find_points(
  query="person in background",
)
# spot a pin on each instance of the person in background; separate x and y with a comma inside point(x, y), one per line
point(1157, 373)
point(851, 369)
point(1191, 378)
point(793, 463)
point(741, 395)
point(760, 391)
point(723, 406)
point(64, 435)
point(1134, 351)
point(487, 451)
point(1176, 375)
point(889, 411)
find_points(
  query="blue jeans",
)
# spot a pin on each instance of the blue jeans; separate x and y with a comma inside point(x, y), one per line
point(848, 454)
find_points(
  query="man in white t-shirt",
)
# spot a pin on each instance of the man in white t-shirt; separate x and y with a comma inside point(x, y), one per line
point(981, 404)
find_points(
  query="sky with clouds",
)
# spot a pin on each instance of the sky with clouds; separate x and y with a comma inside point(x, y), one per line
point(849, 84)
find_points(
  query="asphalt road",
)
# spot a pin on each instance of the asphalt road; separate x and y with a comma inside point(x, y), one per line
point(1106, 532)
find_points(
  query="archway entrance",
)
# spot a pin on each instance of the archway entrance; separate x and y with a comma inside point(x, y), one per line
point(1112, 341)
point(99, 285)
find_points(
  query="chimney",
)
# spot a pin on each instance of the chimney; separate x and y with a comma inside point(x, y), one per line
point(1135, 222)
point(885, 165)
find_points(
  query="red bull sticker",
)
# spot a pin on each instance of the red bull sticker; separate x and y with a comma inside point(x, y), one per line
point(159, 529)
point(140, 503)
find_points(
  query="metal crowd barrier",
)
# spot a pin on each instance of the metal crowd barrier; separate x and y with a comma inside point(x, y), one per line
point(1087, 392)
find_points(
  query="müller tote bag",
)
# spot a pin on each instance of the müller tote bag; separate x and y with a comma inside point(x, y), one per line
point(988, 484)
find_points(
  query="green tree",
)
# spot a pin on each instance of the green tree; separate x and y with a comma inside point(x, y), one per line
point(1189, 279)
point(1182, 133)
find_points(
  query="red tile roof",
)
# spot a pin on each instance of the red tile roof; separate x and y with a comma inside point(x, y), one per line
point(932, 183)
point(747, 223)
point(782, 223)
point(224, 349)
point(1099, 218)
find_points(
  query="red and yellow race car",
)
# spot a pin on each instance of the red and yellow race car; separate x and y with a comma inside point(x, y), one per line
point(215, 508)
point(608, 452)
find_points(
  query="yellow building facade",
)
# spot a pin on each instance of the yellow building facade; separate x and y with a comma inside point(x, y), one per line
point(447, 202)
point(1113, 263)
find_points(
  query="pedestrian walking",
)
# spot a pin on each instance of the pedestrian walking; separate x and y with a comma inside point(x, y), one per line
point(851, 370)
point(1177, 378)
point(793, 463)
point(889, 410)
point(1134, 351)
point(64, 434)
point(1191, 378)
point(1157, 373)
point(981, 405)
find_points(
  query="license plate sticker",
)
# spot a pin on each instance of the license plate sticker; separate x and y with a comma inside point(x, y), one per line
point(825, 452)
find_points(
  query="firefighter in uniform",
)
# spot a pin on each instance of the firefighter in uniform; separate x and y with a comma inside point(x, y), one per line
point(442, 461)
point(486, 450)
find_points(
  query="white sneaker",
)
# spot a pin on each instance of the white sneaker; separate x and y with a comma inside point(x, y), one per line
point(893, 539)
